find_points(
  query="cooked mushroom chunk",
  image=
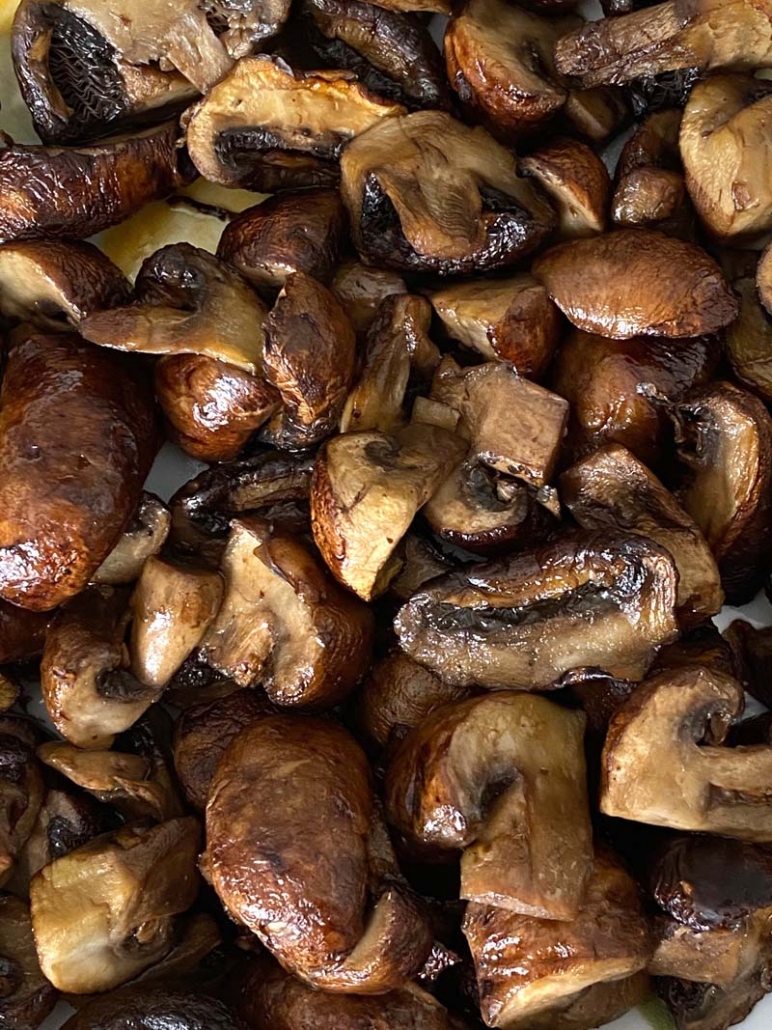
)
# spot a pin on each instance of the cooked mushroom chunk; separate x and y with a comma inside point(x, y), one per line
point(22, 790)
point(764, 278)
point(698, 1006)
point(752, 651)
point(502, 777)
point(10, 692)
point(427, 194)
point(26, 997)
point(593, 600)
point(657, 771)
point(576, 181)
point(114, 900)
point(361, 290)
point(147, 1007)
point(144, 537)
point(650, 187)
point(22, 632)
point(749, 341)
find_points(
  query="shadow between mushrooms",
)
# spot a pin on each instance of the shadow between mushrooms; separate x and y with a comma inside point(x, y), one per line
point(22, 790)
point(27, 997)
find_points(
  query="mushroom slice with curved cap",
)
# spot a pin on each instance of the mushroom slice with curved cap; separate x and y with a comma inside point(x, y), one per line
point(398, 350)
point(749, 341)
point(576, 181)
point(725, 149)
point(509, 319)
point(144, 537)
point(502, 777)
point(26, 997)
point(308, 857)
point(266, 126)
point(612, 489)
point(637, 282)
point(725, 439)
point(114, 900)
point(303, 231)
point(361, 289)
point(22, 789)
point(284, 622)
point(427, 194)
point(78, 191)
point(591, 600)
point(366, 490)
point(147, 1007)
point(89, 693)
point(702, 34)
point(657, 771)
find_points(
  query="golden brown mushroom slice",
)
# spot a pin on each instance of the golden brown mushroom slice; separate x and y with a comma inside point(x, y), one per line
point(656, 769)
point(114, 899)
point(144, 537)
point(27, 997)
point(725, 439)
point(637, 282)
point(576, 181)
point(602, 601)
point(502, 777)
point(22, 789)
point(529, 968)
point(365, 493)
point(266, 127)
point(425, 193)
point(749, 341)
point(308, 858)
point(612, 489)
point(361, 289)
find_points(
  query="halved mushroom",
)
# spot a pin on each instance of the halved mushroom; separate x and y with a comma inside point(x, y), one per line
point(752, 650)
point(308, 857)
point(366, 490)
point(361, 290)
point(88, 690)
point(292, 232)
point(147, 1007)
point(22, 632)
point(612, 489)
point(703, 34)
point(427, 194)
point(267, 127)
point(749, 341)
point(502, 777)
point(22, 789)
point(284, 622)
point(510, 319)
point(637, 282)
point(144, 537)
point(764, 278)
point(26, 997)
point(725, 439)
point(76, 192)
point(657, 771)
point(114, 899)
point(576, 181)
point(591, 600)
point(530, 968)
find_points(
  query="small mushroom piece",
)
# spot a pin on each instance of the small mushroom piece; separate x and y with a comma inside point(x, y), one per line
point(361, 290)
point(89, 692)
point(764, 278)
point(502, 777)
point(749, 341)
point(637, 282)
point(752, 650)
point(143, 1006)
point(26, 997)
point(596, 113)
point(425, 193)
point(699, 1006)
point(612, 489)
point(591, 600)
point(725, 438)
point(302, 231)
point(10, 692)
point(678, 34)
point(506, 319)
point(650, 188)
point(173, 606)
point(267, 127)
point(530, 968)
point(656, 770)
point(423, 561)
point(576, 181)
point(284, 622)
point(76, 192)
point(114, 899)
point(144, 537)
point(22, 790)
point(365, 493)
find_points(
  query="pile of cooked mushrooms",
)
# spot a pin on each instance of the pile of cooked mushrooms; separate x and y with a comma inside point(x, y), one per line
point(407, 710)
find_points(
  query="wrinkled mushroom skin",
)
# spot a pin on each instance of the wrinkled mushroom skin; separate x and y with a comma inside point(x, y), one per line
point(53, 192)
point(22, 790)
point(147, 1007)
point(26, 997)
point(576, 181)
point(77, 438)
point(22, 632)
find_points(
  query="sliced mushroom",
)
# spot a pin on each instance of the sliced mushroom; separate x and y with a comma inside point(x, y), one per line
point(76, 192)
point(114, 899)
point(510, 319)
point(22, 790)
point(596, 113)
point(427, 194)
point(576, 181)
point(749, 341)
point(529, 968)
point(146, 1007)
point(593, 600)
point(366, 490)
point(637, 282)
point(144, 537)
point(88, 690)
point(284, 622)
point(657, 771)
point(725, 438)
point(502, 777)
point(361, 290)
point(26, 997)
point(752, 651)
point(267, 127)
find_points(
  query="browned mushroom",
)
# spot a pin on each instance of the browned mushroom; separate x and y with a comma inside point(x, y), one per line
point(22, 632)
point(699, 1006)
point(423, 561)
point(749, 341)
point(764, 278)
point(361, 290)
point(145, 1006)
point(10, 692)
point(752, 651)
point(144, 537)
point(26, 997)
point(21, 789)
point(576, 181)
point(703, 645)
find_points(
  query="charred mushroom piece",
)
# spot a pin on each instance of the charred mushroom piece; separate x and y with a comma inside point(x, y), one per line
point(21, 790)
point(752, 650)
point(26, 997)
point(657, 771)
point(366, 490)
point(725, 438)
point(361, 290)
point(267, 127)
point(76, 192)
point(637, 283)
point(588, 601)
point(146, 1007)
point(145, 537)
point(427, 194)
point(576, 181)
point(284, 623)
point(749, 341)
point(114, 900)
point(502, 777)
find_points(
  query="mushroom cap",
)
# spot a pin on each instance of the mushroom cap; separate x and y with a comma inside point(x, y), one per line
point(145, 1007)
point(576, 181)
